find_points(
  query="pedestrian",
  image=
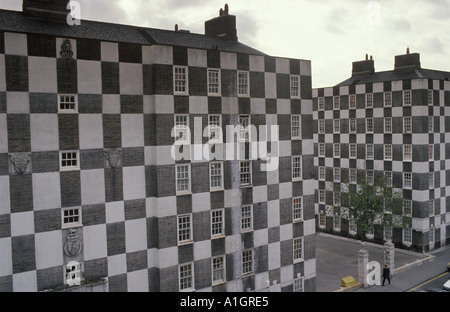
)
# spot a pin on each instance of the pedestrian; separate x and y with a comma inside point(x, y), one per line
point(386, 273)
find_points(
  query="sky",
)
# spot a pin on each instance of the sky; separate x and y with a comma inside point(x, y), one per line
point(330, 33)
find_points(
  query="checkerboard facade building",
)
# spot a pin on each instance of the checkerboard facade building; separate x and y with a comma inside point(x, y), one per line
point(89, 186)
point(393, 123)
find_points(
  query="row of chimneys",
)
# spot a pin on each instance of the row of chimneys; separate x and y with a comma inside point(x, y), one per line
point(223, 26)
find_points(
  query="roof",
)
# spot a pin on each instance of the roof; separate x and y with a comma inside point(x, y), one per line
point(396, 75)
point(15, 21)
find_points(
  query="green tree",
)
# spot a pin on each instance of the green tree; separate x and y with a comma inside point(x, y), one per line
point(373, 204)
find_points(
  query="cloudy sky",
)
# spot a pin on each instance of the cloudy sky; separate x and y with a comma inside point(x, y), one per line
point(330, 33)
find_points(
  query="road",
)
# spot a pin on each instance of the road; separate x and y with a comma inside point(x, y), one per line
point(434, 283)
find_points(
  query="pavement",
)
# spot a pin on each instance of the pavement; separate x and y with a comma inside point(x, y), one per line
point(337, 257)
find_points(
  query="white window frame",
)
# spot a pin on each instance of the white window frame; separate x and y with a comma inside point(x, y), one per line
point(299, 284)
point(321, 104)
point(298, 249)
point(353, 175)
point(214, 82)
point(215, 128)
point(336, 174)
point(407, 124)
point(387, 151)
point(218, 270)
point(181, 125)
point(387, 99)
point(69, 213)
point(388, 125)
point(63, 158)
point(407, 180)
point(336, 150)
point(369, 100)
point(388, 175)
point(321, 126)
point(353, 150)
point(370, 151)
point(370, 176)
point(407, 207)
point(244, 128)
point(431, 124)
point(431, 180)
point(245, 177)
point(67, 100)
point(322, 173)
point(295, 86)
point(297, 209)
point(336, 102)
point(243, 83)
point(186, 282)
point(430, 97)
point(297, 168)
point(214, 173)
point(336, 125)
point(407, 97)
point(246, 218)
point(352, 126)
point(322, 151)
point(217, 223)
point(407, 152)
point(407, 235)
point(179, 179)
point(352, 101)
point(431, 152)
point(184, 229)
point(296, 132)
point(431, 208)
point(75, 269)
point(247, 262)
point(180, 80)
point(369, 125)
point(322, 197)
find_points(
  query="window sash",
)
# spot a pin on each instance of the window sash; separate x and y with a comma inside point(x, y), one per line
point(295, 86)
point(246, 218)
point(180, 79)
point(243, 84)
point(216, 175)
point(184, 229)
point(247, 262)
point(245, 172)
point(186, 276)
point(217, 222)
point(213, 81)
point(298, 248)
point(295, 126)
point(296, 167)
point(297, 208)
point(183, 178)
point(218, 269)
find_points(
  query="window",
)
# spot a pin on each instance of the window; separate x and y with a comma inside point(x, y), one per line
point(353, 175)
point(431, 179)
point(215, 128)
point(369, 151)
point(388, 205)
point(407, 208)
point(407, 235)
point(336, 126)
point(353, 150)
point(217, 223)
point(322, 196)
point(430, 97)
point(370, 177)
point(388, 232)
point(243, 83)
point(181, 129)
point(297, 211)
point(295, 127)
point(246, 218)
point(369, 100)
point(296, 167)
point(387, 99)
point(322, 219)
point(352, 225)
point(183, 181)
point(299, 284)
point(321, 103)
point(71, 217)
point(337, 222)
point(336, 198)
point(407, 180)
point(369, 125)
point(388, 125)
point(352, 101)
point(295, 86)
point(218, 269)
point(430, 124)
point(244, 128)
point(180, 83)
point(184, 229)
point(298, 249)
point(336, 102)
point(431, 235)
point(73, 273)
point(67, 103)
point(322, 173)
point(407, 152)
point(337, 174)
point(388, 175)
point(186, 277)
point(245, 172)
point(431, 152)
point(407, 124)
point(431, 211)
point(352, 125)
point(247, 262)
point(69, 160)
point(216, 176)
point(321, 126)
point(337, 150)
point(388, 152)
point(407, 97)
point(213, 82)
point(321, 149)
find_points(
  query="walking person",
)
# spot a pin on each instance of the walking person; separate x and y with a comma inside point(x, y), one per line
point(386, 273)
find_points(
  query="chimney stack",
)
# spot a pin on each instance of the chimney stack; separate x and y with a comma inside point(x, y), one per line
point(47, 9)
point(407, 61)
point(223, 26)
point(362, 68)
